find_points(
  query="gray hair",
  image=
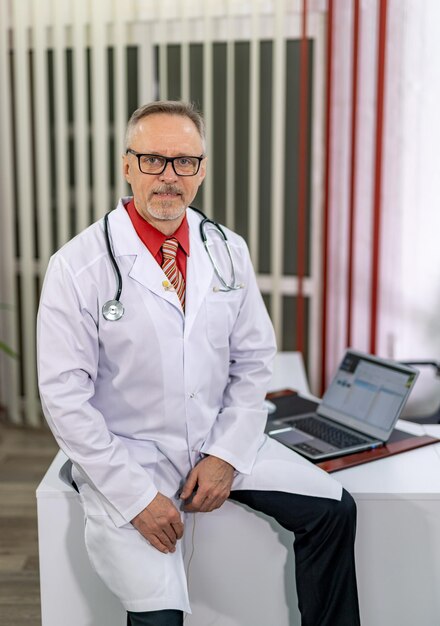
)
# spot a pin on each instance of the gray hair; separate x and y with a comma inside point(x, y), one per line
point(170, 107)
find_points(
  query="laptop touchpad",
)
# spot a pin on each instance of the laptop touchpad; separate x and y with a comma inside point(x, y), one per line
point(290, 436)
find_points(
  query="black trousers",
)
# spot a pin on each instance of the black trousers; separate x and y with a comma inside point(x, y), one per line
point(324, 557)
point(169, 617)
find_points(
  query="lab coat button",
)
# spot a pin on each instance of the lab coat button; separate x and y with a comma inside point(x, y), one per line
point(192, 395)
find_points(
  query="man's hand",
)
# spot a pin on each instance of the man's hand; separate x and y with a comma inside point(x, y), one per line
point(160, 524)
point(210, 482)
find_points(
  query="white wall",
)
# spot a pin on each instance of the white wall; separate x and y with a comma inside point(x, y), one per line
point(417, 320)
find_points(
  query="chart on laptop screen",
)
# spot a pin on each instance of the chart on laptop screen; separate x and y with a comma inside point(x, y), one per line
point(368, 391)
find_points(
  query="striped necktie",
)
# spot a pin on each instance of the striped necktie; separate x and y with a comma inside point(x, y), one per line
point(169, 266)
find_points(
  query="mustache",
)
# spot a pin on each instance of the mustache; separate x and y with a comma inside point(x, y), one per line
point(168, 189)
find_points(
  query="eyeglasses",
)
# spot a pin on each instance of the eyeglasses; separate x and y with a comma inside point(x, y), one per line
point(156, 164)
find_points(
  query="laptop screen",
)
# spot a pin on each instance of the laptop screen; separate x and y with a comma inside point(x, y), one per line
point(368, 393)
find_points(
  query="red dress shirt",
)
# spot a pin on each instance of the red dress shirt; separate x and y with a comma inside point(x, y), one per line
point(153, 238)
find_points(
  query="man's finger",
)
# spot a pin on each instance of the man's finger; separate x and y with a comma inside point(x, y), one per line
point(189, 486)
point(210, 504)
point(178, 529)
point(170, 534)
point(157, 543)
point(199, 499)
point(203, 504)
point(166, 540)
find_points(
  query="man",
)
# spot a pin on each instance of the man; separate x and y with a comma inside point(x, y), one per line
point(161, 410)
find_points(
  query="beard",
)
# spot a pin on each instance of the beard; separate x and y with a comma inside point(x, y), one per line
point(166, 209)
point(166, 213)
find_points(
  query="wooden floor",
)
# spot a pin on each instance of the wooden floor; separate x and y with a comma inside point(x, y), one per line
point(25, 456)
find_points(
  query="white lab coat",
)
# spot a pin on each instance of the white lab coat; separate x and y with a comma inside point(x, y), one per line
point(135, 402)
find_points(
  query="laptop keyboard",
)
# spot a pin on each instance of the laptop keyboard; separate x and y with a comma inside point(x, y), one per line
point(322, 430)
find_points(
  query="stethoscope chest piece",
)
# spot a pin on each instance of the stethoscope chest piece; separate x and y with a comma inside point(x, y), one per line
point(112, 310)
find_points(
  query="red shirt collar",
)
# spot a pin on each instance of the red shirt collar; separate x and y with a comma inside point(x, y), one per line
point(152, 237)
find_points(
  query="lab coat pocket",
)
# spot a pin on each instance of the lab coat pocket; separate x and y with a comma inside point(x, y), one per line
point(221, 312)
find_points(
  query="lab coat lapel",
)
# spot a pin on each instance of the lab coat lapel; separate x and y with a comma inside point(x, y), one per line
point(145, 269)
point(148, 273)
point(199, 272)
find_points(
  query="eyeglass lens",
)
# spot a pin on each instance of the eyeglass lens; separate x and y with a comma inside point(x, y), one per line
point(155, 164)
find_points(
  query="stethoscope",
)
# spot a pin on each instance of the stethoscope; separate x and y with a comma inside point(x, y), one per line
point(113, 310)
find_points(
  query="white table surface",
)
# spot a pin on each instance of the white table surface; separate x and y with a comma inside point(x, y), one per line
point(414, 474)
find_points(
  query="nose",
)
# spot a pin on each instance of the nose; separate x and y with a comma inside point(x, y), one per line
point(168, 174)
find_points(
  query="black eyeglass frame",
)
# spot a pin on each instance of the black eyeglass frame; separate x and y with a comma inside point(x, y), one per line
point(171, 160)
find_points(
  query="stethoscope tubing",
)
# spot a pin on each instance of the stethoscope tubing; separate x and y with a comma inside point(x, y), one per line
point(202, 227)
point(112, 259)
point(110, 307)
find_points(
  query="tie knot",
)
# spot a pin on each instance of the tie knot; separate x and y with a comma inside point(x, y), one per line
point(169, 248)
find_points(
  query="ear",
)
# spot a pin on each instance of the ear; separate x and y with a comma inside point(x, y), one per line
point(126, 168)
point(202, 171)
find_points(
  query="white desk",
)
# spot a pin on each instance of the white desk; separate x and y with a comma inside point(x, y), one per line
point(397, 548)
point(398, 538)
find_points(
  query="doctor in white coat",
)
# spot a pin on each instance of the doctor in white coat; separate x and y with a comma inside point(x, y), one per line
point(161, 410)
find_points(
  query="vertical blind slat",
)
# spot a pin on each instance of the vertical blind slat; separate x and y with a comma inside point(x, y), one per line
point(146, 92)
point(184, 52)
point(120, 88)
point(42, 133)
point(277, 195)
point(8, 291)
point(24, 206)
point(100, 117)
point(163, 55)
point(208, 105)
point(230, 123)
point(254, 135)
point(80, 87)
point(61, 163)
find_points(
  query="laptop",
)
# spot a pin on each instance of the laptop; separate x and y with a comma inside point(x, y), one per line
point(357, 412)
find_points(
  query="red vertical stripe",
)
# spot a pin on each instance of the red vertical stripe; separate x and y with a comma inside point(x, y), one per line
point(302, 179)
point(327, 173)
point(352, 201)
point(377, 208)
